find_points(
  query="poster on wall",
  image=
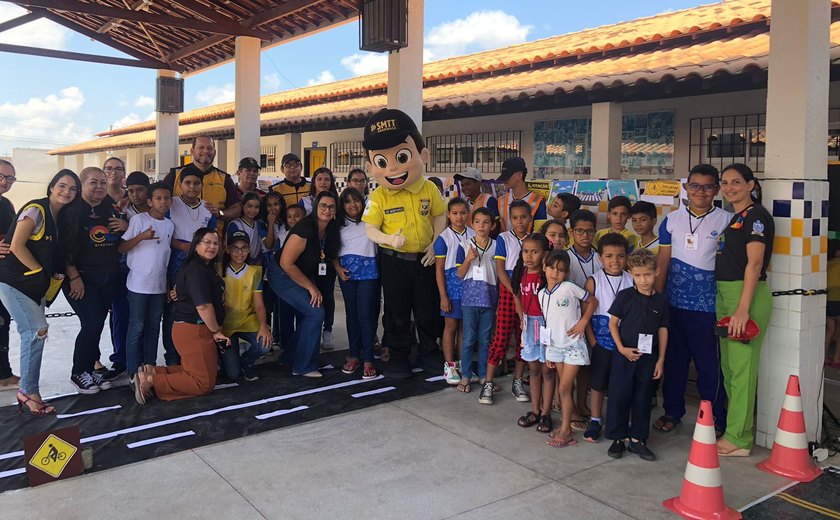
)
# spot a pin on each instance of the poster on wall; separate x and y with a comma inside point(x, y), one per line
point(590, 193)
point(562, 146)
point(627, 188)
point(647, 144)
point(559, 186)
point(540, 187)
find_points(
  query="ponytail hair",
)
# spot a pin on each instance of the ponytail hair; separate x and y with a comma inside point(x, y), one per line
point(747, 174)
point(519, 269)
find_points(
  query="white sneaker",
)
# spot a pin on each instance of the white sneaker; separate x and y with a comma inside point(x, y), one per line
point(327, 339)
point(450, 373)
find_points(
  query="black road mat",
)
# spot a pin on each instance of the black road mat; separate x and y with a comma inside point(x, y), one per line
point(115, 426)
point(817, 500)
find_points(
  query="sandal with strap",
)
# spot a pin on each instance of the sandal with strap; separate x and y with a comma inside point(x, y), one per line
point(44, 408)
point(666, 424)
point(350, 366)
point(369, 371)
point(559, 442)
point(528, 420)
point(464, 386)
point(546, 425)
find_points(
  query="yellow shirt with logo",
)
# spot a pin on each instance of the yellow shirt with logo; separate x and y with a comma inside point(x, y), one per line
point(411, 210)
point(213, 187)
point(240, 287)
point(631, 237)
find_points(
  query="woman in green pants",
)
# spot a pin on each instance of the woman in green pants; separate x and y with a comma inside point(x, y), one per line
point(742, 294)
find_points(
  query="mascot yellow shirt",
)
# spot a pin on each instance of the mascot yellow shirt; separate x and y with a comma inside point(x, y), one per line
point(410, 210)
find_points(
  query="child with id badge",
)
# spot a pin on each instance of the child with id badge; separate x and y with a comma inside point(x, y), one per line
point(528, 278)
point(639, 327)
point(562, 339)
point(479, 294)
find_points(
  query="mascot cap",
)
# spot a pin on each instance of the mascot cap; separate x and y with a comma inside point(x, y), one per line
point(387, 128)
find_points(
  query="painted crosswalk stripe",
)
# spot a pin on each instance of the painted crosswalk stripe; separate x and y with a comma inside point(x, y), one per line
point(225, 385)
point(12, 472)
point(278, 413)
point(88, 412)
point(435, 378)
point(156, 440)
point(373, 392)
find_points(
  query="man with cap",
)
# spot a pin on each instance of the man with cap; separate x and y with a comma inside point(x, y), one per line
point(218, 189)
point(513, 175)
point(294, 186)
point(404, 215)
point(470, 182)
point(247, 174)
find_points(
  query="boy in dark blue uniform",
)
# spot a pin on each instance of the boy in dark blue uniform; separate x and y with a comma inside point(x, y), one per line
point(639, 327)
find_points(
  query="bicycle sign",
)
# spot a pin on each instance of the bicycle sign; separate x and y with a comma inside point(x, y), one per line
point(53, 455)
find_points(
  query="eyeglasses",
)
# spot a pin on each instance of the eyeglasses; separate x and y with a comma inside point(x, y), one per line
point(243, 249)
point(708, 188)
point(209, 243)
point(581, 232)
point(8, 178)
point(294, 164)
point(113, 169)
point(330, 207)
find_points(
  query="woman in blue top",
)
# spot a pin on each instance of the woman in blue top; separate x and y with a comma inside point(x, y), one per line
point(358, 274)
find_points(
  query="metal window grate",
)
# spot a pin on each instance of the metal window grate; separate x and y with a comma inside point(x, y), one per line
point(346, 156)
point(721, 140)
point(268, 158)
point(485, 151)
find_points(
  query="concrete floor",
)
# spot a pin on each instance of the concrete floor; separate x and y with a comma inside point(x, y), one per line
point(441, 455)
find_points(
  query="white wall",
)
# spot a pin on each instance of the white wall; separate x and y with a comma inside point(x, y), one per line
point(33, 168)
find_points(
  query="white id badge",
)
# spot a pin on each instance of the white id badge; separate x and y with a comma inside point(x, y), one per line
point(690, 242)
point(479, 273)
point(645, 345)
point(545, 336)
point(322, 269)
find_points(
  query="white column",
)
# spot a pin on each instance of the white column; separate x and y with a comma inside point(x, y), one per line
point(247, 119)
point(606, 140)
point(795, 191)
point(222, 162)
point(291, 144)
point(134, 160)
point(405, 69)
point(80, 163)
point(166, 144)
point(60, 159)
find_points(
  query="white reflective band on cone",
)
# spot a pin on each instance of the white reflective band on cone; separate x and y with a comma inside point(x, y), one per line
point(794, 441)
point(704, 434)
point(792, 403)
point(702, 476)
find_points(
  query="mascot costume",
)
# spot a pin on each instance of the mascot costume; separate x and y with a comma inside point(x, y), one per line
point(404, 215)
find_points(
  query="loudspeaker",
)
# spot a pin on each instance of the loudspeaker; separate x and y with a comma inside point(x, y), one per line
point(384, 25)
point(170, 95)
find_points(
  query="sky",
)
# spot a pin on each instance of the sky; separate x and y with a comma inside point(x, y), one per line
point(49, 103)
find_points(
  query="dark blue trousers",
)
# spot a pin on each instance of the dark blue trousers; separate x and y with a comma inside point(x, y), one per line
point(631, 386)
point(691, 337)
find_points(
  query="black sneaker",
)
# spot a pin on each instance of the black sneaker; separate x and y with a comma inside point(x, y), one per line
point(486, 395)
point(617, 448)
point(114, 372)
point(519, 392)
point(100, 370)
point(249, 374)
point(641, 449)
point(84, 383)
point(101, 382)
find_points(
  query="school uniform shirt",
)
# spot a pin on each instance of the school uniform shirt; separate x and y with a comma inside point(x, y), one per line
point(484, 200)
point(639, 314)
point(581, 268)
point(198, 284)
point(607, 288)
point(187, 219)
point(254, 240)
point(446, 247)
point(753, 224)
point(653, 245)
point(631, 237)
point(482, 292)
point(528, 287)
point(537, 203)
point(411, 210)
point(358, 252)
point(280, 233)
point(147, 260)
point(131, 211)
point(693, 240)
point(561, 311)
point(508, 246)
point(240, 286)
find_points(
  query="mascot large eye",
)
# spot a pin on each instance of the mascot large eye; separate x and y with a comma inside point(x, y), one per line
point(403, 156)
point(380, 161)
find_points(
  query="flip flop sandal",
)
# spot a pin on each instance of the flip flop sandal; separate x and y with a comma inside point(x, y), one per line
point(369, 372)
point(561, 443)
point(350, 366)
point(666, 424)
point(528, 420)
point(546, 425)
point(464, 386)
point(578, 425)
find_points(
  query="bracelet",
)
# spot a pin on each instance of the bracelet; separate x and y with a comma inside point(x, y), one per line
point(74, 278)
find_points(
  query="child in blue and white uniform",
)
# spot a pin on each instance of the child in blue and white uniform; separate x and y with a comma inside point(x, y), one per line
point(247, 223)
point(449, 285)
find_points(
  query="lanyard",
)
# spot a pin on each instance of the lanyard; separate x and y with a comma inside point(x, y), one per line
point(323, 256)
point(462, 239)
point(577, 257)
point(479, 250)
point(546, 305)
point(700, 221)
point(620, 281)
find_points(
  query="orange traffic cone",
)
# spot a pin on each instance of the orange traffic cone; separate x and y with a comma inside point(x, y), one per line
point(701, 497)
point(789, 457)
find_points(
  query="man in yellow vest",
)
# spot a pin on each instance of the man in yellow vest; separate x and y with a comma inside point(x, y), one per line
point(294, 186)
point(218, 191)
point(404, 215)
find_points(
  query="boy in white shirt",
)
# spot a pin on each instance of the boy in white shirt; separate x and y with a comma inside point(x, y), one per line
point(146, 243)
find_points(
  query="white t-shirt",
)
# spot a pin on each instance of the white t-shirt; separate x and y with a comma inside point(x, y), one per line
point(561, 310)
point(35, 214)
point(188, 219)
point(581, 268)
point(147, 261)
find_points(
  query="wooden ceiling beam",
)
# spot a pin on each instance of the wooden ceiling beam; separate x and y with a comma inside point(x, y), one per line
point(77, 56)
point(20, 20)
